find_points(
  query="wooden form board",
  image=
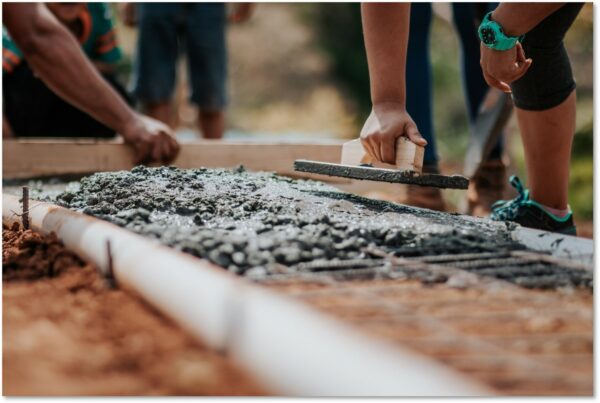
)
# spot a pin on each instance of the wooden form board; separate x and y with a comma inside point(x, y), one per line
point(44, 157)
point(54, 157)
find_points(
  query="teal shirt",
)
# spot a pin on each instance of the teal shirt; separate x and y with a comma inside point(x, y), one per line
point(98, 40)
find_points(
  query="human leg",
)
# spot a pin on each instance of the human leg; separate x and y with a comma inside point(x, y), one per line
point(487, 186)
point(207, 57)
point(545, 103)
point(156, 59)
point(419, 102)
point(547, 139)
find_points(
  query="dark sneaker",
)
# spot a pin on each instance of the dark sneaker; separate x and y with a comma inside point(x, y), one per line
point(529, 213)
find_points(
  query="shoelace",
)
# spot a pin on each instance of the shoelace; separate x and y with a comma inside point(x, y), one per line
point(504, 210)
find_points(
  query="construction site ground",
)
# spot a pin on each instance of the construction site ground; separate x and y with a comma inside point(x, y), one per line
point(515, 340)
point(69, 334)
point(454, 289)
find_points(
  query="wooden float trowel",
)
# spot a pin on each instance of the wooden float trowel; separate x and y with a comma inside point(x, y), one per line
point(357, 164)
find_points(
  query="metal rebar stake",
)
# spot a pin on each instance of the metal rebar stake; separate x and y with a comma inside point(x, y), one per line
point(109, 277)
point(25, 212)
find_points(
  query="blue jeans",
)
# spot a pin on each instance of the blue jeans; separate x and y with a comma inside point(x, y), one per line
point(419, 103)
point(166, 30)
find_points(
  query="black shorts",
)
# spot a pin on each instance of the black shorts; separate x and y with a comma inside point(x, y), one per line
point(549, 80)
point(33, 110)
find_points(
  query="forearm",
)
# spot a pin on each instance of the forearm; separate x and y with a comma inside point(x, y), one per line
point(385, 28)
point(517, 19)
point(57, 59)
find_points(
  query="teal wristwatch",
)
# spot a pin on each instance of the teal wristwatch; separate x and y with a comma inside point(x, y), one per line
point(492, 35)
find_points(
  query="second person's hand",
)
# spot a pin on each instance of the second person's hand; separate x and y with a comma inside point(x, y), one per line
point(385, 124)
point(500, 68)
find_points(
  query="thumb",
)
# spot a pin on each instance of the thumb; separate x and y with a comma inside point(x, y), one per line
point(520, 53)
point(412, 132)
point(522, 69)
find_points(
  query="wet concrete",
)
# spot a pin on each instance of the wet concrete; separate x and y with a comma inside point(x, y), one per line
point(382, 175)
point(261, 224)
point(264, 223)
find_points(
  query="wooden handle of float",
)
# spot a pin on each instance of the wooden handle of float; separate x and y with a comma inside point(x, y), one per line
point(409, 156)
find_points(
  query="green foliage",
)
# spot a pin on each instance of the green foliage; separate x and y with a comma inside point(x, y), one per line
point(581, 188)
point(339, 31)
point(581, 183)
point(583, 143)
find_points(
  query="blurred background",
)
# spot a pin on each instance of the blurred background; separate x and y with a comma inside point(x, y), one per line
point(298, 71)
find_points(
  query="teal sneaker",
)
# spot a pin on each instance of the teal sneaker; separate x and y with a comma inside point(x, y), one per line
point(529, 213)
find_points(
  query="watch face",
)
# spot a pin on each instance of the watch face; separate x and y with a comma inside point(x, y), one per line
point(488, 36)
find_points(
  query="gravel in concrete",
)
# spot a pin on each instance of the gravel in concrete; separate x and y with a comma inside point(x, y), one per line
point(262, 223)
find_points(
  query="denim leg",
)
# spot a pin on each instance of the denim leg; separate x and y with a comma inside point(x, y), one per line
point(467, 17)
point(207, 54)
point(157, 51)
point(418, 77)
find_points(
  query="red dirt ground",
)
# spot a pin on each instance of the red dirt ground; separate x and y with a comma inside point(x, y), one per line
point(68, 334)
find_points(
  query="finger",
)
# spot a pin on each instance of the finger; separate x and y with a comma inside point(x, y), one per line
point(164, 151)
point(517, 71)
point(387, 149)
point(142, 151)
point(176, 150)
point(367, 147)
point(376, 145)
point(492, 82)
point(520, 53)
point(412, 132)
point(523, 69)
point(157, 151)
point(372, 147)
point(172, 148)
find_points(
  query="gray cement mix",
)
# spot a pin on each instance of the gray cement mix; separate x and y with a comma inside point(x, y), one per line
point(262, 224)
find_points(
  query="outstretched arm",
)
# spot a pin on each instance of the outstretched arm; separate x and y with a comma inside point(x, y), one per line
point(57, 59)
point(385, 29)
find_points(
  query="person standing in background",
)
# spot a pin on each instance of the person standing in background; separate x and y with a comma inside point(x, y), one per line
point(197, 29)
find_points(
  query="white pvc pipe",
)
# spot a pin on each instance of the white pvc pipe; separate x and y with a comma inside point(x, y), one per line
point(289, 347)
point(569, 247)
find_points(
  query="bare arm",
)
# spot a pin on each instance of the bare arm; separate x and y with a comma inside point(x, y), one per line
point(385, 29)
point(517, 19)
point(57, 59)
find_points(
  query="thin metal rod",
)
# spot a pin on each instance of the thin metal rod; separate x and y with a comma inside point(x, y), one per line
point(25, 214)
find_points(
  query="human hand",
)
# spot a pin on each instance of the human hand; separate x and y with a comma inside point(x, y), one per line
point(385, 124)
point(241, 12)
point(152, 141)
point(500, 68)
point(128, 14)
